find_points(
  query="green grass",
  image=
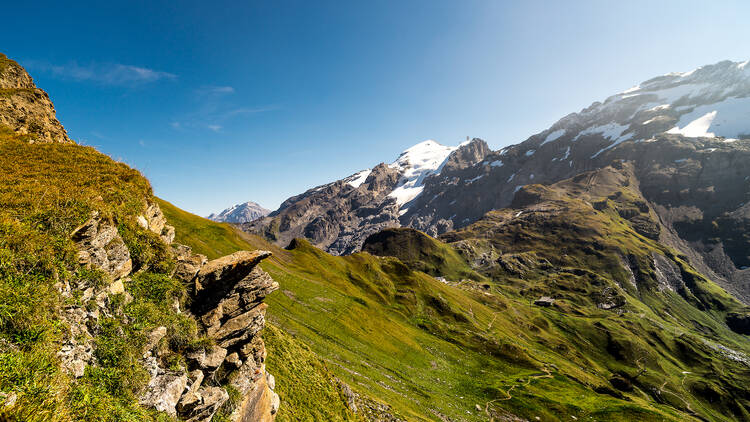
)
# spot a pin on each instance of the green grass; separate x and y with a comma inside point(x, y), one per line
point(387, 328)
point(306, 387)
point(47, 190)
point(428, 348)
point(204, 236)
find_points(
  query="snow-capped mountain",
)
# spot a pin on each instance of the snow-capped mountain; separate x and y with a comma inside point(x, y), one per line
point(240, 213)
point(338, 216)
point(685, 133)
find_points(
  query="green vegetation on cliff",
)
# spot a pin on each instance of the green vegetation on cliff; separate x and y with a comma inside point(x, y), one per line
point(46, 191)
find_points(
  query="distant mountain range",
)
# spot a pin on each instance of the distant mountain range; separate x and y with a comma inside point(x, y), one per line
point(240, 213)
point(685, 134)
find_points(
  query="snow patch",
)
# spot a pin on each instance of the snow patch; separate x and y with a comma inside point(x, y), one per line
point(730, 119)
point(697, 128)
point(356, 180)
point(474, 179)
point(553, 136)
point(417, 163)
point(530, 152)
point(660, 107)
point(497, 163)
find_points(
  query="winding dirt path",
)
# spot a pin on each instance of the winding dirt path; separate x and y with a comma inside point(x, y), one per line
point(529, 379)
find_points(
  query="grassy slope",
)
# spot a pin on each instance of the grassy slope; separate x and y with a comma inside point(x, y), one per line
point(304, 383)
point(427, 348)
point(46, 190)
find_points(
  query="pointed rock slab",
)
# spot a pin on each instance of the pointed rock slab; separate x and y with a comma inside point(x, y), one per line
point(219, 276)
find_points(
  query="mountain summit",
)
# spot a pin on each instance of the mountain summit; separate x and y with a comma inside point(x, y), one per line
point(685, 134)
point(340, 215)
point(240, 213)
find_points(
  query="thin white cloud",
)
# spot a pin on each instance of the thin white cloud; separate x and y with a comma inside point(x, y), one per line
point(246, 110)
point(102, 73)
point(215, 120)
point(215, 90)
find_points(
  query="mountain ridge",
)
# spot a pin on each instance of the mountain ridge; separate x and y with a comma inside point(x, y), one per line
point(691, 181)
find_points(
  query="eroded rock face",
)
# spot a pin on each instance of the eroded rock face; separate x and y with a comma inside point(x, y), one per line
point(164, 391)
point(227, 300)
point(25, 108)
point(155, 221)
point(99, 245)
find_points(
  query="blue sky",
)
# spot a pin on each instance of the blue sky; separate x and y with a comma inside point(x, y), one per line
point(223, 102)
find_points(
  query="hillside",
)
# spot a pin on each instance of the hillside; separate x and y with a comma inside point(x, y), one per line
point(634, 332)
point(684, 133)
point(609, 293)
point(102, 316)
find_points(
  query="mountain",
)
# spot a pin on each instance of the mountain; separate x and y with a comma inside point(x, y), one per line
point(241, 213)
point(602, 295)
point(339, 216)
point(684, 133)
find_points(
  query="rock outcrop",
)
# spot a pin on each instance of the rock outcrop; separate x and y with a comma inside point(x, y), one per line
point(26, 109)
point(100, 245)
point(226, 300)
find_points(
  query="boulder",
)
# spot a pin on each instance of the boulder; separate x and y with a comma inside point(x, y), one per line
point(208, 359)
point(187, 263)
point(164, 392)
point(155, 221)
point(211, 398)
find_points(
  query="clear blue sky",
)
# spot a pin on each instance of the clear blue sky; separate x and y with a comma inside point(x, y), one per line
point(222, 102)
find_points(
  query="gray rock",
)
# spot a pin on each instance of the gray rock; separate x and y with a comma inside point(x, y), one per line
point(154, 338)
point(208, 359)
point(211, 399)
point(164, 392)
point(233, 360)
point(187, 263)
point(99, 245)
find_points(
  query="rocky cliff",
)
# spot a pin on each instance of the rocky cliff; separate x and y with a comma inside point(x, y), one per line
point(25, 108)
point(225, 296)
point(108, 317)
